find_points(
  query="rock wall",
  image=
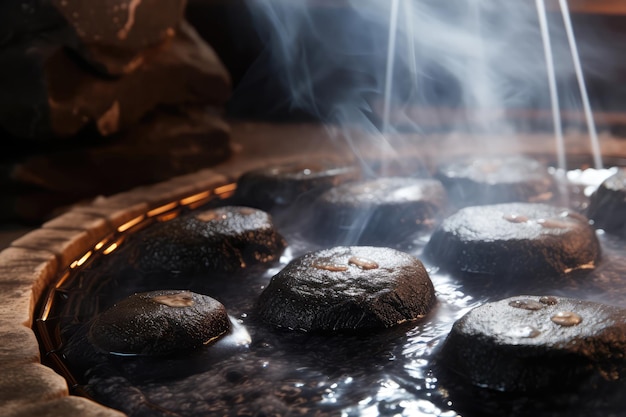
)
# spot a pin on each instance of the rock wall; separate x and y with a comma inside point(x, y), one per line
point(97, 96)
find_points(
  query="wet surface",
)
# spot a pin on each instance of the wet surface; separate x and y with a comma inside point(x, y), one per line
point(263, 371)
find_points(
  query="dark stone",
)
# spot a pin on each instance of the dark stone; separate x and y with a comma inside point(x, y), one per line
point(519, 240)
point(50, 91)
point(281, 186)
point(474, 181)
point(159, 323)
point(607, 205)
point(125, 24)
point(348, 288)
point(566, 345)
point(222, 239)
point(182, 70)
point(383, 210)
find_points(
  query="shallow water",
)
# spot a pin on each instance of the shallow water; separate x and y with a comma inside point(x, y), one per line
point(259, 370)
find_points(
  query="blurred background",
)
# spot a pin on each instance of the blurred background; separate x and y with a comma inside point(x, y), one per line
point(97, 97)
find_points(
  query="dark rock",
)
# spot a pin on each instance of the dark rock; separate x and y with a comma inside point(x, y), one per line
point(520, 240)
point(281, 186)
point(126, 24)
point(182, 70)
point(222, 239)
point(607, 205)
point(159, 323)
point(348, 288)
point(383, 210)
point(562, 344)
point(49, 92)
point(492, 180)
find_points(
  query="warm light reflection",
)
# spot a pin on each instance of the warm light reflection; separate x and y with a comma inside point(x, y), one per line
point(226, 190)
point(199, 203)
point(113, 246)
point(47, 307)
point(196, 197)
point(168, 216)
point(100, 244)
point(82, 260)
point(131, 223)
point(162, 209)
point(62, 280)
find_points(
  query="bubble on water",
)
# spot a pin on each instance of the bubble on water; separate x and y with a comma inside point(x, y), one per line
point(362, 263)
point(329, 266)
point(515, 218)
point(526, 304)
point(548, 300)
point(566, 318)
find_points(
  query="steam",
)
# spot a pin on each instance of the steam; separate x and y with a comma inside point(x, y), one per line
point(478, 57)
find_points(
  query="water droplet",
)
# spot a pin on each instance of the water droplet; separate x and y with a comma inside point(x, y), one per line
point(552, 224)
point(548, 300)
point(526, 304)
point(181, 299)
point(330, 267)
point(566, 318)
point(528, 332)
point(515, 218)
point(362, 263)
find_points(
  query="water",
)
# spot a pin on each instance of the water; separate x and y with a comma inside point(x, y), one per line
point(554, 95)
point(391, 56)
point(591, 126)
point(276, 372)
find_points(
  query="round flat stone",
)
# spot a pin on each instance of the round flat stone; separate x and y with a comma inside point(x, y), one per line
point(283, 185)
point(565, 343)
point(381, 211)
point(348, 288)
point(222, 239)
point(474, 181)
point(159, 323)
point(607, 205)
point(514, 240)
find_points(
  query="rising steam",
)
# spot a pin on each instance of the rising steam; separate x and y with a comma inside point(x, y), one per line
point(481, 55)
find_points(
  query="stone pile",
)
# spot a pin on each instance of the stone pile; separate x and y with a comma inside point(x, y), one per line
point(100, 96)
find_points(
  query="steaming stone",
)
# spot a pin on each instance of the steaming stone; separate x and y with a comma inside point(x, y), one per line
point(607, 205)
point(222, 239)
point(493, 180)
point(280, 186)
point(380, 211)
point(159, 323)
point(521, 240)
point(348, 288)
point(532, 343)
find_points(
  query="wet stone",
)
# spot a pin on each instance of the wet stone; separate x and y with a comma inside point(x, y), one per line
point(222, 239)
point(305, 297)
point(607, 205)
point(475, 181)
point(567, 344)
point(480, 240)
point(386, 210)
point(283, 185)
point(159, 323)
